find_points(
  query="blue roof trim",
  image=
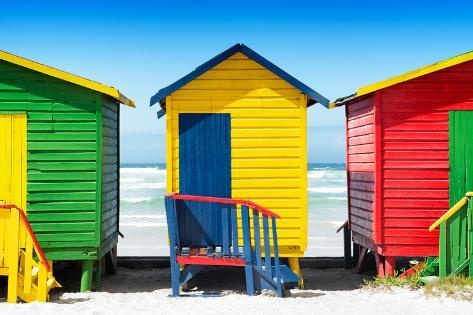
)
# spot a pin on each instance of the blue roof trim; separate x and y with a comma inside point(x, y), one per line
point(161, 113)
point(314, 97)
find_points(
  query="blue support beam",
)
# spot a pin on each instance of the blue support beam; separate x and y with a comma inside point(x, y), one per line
point(189, 272)
point(250, 287)
point(234, 223)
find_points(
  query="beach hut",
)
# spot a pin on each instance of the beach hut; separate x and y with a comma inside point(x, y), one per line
point(409, 158)
point(59, 162)
point(236, 128)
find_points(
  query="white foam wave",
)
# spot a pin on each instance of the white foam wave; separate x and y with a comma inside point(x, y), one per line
point(143, 216)
point(130, 180)
point(143, 170)
point(143, 224)
point(136, 200)
point(328, 190)
point(144, 185)
point(335, 223)
point(326, 174)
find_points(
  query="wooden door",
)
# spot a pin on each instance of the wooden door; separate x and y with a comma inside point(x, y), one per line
point(204, 170)
point(454, 236)
point(12, 182)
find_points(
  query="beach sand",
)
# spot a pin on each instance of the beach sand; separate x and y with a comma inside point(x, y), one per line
point(331, 291)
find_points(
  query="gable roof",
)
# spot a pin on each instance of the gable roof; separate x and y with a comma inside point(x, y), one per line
point(65, 76)
point(365, 90)
point(314, 97)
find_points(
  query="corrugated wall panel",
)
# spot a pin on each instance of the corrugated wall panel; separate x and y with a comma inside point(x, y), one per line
point(268, 134)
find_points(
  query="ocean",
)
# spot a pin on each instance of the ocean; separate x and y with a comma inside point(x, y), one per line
point(143, 219)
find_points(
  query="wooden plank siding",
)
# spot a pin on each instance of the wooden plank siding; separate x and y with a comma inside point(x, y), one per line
point(267, 138)
point(415, 156)
point(360, 126)
point(110, 173)
point(62, 157)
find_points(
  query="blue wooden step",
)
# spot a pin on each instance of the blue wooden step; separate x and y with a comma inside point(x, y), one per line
point(262, 270)
point(288, 276)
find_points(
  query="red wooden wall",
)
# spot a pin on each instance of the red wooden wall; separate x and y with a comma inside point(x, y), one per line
point(413, 146)
point(414, 120)
point(360, 166)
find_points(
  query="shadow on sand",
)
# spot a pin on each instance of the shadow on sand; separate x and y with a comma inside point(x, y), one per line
point(217, 281)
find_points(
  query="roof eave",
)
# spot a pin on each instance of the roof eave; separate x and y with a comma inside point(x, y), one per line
point(126, 101)
point(313, 96)
point(164, 92)
point(369, 89)
point(413, 74)
point(341, 101)
point(66, 76)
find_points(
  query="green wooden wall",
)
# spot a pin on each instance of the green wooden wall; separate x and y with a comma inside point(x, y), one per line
point(110, 171)
point(64, 159)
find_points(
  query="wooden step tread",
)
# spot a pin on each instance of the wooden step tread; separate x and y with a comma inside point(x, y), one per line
point(210, 261)
point(211, 251)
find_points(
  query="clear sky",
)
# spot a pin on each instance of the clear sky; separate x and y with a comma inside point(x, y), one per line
point(142, 46)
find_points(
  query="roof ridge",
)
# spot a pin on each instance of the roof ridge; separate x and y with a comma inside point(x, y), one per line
point(314, 97)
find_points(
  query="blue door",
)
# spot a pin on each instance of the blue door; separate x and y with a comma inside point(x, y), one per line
point(204, 170)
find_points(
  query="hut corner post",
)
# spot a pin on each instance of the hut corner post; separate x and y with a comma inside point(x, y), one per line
point(350, 261)
point(386, 265)
point(97, 275)
point(91, 268)
point(169, 157)
point(91, 275)
point(294, 261)
point(87, 275)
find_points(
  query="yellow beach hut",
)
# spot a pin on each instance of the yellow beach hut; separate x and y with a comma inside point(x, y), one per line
point(262, 134)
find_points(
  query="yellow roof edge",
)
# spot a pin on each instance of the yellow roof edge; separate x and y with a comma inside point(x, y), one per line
point(125, 100)
point(66, 76)
point(415, 73)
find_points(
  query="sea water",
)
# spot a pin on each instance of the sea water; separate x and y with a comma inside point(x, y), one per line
point(143, 219)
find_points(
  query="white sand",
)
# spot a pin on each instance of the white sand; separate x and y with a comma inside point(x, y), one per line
point(331, 291)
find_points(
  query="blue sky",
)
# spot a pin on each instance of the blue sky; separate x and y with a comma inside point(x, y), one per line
point(141, 46)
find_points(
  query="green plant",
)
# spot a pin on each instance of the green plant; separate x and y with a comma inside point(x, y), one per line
point(410, 281)
point(457, 287)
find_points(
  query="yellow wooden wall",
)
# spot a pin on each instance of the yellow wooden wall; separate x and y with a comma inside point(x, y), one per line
point(269, 156)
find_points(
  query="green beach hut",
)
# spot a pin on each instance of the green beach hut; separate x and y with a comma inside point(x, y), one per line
point(59, 160)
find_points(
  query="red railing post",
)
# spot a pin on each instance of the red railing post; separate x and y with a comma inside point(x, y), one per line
point(27, 225)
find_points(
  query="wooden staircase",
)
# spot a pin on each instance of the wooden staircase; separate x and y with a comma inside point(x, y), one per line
point(456, 239)
point(22, 260)
point(244, 235)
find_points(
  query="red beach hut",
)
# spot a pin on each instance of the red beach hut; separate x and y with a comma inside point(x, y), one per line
point(408, 157)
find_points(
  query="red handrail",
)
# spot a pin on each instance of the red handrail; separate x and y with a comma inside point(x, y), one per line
point(231, 201)
point(30, 231)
